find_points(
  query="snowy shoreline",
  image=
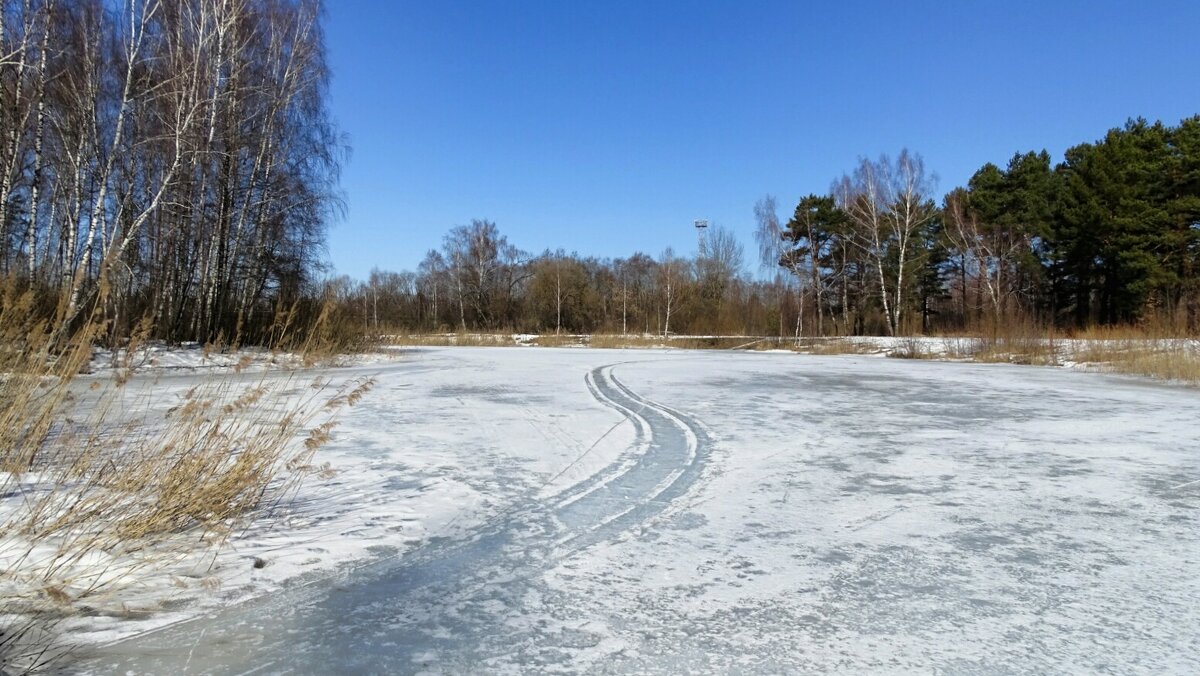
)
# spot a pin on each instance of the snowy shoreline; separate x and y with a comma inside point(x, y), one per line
point(453, 437)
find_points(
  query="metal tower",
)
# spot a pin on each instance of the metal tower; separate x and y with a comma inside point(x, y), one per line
point(702, 237)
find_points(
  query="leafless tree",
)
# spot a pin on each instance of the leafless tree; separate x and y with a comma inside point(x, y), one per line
point(174, 157)
point(888, 204)
point(431, 279)
point(768, 235)
point(718, 269)
point(988, 253)
point(670, 278)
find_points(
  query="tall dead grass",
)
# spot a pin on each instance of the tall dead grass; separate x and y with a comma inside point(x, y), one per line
point(599, 340)
point(835, 346)
point(1152, 349)
point(1172, 359)
point(461, 338)
point(645, 341)
point(1027, 348)
point(102, 479)
point(1149, 351)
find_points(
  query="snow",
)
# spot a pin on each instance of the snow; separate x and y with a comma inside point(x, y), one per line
point(1059, 351)
point(155, 358)
point(438, 445)
point(511, 511)
point(916, 516)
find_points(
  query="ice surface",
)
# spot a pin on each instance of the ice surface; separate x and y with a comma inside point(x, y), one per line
point(517, 511)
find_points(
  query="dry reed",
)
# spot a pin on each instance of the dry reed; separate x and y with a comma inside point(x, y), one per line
point(101, 481)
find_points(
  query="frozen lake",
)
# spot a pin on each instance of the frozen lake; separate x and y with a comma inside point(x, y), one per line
point(538, 510)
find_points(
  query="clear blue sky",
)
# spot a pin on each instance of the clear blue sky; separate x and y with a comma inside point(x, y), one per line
point(607, 127)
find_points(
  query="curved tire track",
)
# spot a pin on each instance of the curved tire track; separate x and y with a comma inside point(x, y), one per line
point(459, 603)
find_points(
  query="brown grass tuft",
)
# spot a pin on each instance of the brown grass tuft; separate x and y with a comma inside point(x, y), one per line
point(834, 346)
point(106, 471)
point(1172, 359)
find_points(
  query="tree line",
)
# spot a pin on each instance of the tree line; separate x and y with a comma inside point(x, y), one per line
point(1121, 240)
point(1110, 235)
point(171, 162)
point(478, 280)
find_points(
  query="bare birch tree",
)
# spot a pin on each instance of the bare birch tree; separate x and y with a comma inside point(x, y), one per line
point(172, 156)
point(888, 204)
point(769, 236)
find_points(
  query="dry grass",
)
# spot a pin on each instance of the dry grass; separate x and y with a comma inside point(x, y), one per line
point(627, 341)
point(913, 348)
point(961, 348)
point(464, 339)
point(1133, 350)
point(1172, 359)
point(1153, 350)
point(1025, 350)
point(645, 341)
point(556, 340)
point(600, 340)
point(834, 346)
point(101, 481)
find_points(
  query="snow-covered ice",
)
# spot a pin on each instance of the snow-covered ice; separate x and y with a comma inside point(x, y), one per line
point(555, 510)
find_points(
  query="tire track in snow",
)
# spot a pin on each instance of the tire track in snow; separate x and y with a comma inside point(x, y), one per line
point(453, 605)
point(669, 465)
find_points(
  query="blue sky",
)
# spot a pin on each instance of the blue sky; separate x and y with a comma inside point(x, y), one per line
point(608, 127)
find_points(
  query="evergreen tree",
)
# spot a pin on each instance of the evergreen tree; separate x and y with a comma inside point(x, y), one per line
point(811, 236)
